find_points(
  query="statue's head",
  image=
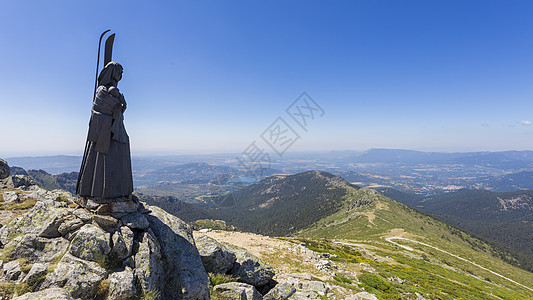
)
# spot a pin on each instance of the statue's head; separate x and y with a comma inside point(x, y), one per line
point(111, 74)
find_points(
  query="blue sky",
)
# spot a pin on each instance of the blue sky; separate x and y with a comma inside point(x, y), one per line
point(211, 76)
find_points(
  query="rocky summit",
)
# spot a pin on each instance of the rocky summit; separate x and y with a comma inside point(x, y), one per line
point(54, 245)
point(57, 246)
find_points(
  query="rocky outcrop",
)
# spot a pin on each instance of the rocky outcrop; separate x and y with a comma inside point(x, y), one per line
point(185, 276)
point(4, 169)
point(216, 257)
point(224, 258)
point(5, 179)
point(248, 268)
point(66, 248)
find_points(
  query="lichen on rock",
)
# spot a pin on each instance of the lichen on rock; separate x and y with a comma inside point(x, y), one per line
point(91, 243)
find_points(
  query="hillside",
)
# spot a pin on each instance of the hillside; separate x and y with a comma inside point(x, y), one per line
point(282, 204)
point(507, 183)
point(503, 218)
point(422, 247)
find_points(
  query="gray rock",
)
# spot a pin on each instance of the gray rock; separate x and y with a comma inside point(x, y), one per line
point(12, 270)
point(237, 290)
point(4, 169)
point(80, 277)
point(7, 233)
point(11, 197)
point(282, 291)
point(122, 285)
point(185, 276)
point(69, 226)
point(6, 216)
point(215, 256)
point(122, 242)
point(107, 223)
point(37, 271)
point(22, 181)
point(302, 276)
point(148, 264)
point(317, 287)
point(43, 220)
point(83, 215)
point(47, 294)
point(135, 221)
point(38, 249)
point(91, 243)
point(127, 207)
point(365, 296)
point(249, 268)
point(303, 296)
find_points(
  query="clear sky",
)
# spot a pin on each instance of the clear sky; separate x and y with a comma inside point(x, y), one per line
point(212, 76)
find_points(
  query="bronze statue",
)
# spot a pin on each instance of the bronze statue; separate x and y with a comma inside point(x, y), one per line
point(105, 171)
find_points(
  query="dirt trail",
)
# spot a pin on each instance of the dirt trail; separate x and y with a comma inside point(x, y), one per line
point(389, 239)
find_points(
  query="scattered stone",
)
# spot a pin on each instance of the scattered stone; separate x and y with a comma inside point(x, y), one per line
point(249, 268)
point(323, 265)
point(122, 285)
point(83, 214)
point(69, 226)
point(303, 296)
point(47, 294)
point(90, 243)
point(34, 276)
point(311, 287)
point(135, 221)
point(396, 280)
point(80, 277)
point(11, 197)
point(302, 276)
point(12, 270)
point(282, 291)
point(237, 290)
point(107, 223)
point(215, 256)
point(365, 296)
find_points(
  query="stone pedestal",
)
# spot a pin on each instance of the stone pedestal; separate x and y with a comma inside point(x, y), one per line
point(116, 207)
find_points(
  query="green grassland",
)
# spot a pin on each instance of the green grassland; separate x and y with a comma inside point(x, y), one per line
point(368, 218)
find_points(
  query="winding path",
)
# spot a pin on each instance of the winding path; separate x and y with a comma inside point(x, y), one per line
point(389, 239)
